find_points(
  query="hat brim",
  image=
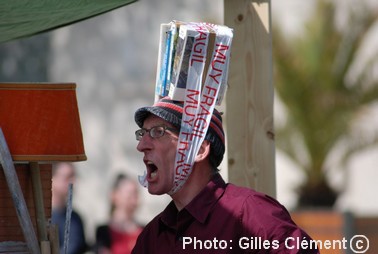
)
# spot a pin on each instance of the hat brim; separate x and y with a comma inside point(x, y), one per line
point(142, 113)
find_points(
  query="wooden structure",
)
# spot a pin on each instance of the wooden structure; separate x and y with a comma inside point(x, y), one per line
point(39, 125)
point(249, 101)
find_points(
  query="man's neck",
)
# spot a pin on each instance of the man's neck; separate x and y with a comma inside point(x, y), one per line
point(196, 182)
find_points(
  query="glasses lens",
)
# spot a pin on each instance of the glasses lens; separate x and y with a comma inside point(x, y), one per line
point(157, 131)
point(139, 134)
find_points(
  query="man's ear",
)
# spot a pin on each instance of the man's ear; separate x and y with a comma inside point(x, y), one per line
point(204, 151)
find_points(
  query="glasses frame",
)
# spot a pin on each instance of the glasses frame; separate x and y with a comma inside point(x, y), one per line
point(139, 134)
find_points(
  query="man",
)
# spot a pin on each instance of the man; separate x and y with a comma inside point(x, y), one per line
point(63, 175)
point(206, 215)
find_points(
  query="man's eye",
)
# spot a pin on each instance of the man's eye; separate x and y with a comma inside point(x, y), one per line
point(158, 132)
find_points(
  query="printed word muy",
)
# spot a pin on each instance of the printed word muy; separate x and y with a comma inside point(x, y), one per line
point(198, 108)
point(198, 120)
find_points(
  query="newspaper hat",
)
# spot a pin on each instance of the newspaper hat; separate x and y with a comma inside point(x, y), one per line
point(191, 79)
point(171, 111)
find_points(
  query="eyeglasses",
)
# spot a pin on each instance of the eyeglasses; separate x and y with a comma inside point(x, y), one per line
point(154, 132)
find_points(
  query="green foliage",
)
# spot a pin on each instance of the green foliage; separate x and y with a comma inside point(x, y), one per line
point(322, 103)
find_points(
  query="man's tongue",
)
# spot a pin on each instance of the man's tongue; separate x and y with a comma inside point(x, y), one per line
point(153, 175)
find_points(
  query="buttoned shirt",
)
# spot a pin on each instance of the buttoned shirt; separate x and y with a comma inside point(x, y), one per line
point(224, 218)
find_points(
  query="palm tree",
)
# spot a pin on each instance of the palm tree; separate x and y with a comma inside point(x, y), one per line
point(322, 99)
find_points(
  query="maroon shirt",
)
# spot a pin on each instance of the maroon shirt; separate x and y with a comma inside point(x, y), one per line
point(224, 218)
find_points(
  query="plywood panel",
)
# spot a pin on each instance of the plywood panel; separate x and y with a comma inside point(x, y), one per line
point(10, 229)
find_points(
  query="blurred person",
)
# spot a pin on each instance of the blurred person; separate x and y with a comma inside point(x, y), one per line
point(206, 215)
point(63, 175)
point(119, 235)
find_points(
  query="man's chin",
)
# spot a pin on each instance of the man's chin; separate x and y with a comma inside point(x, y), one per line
point(155, 192)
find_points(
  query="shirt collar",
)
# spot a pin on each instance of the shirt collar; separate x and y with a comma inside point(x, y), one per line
point(200, 206)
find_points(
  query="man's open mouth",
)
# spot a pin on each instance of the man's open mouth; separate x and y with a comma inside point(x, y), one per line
point(151, 169)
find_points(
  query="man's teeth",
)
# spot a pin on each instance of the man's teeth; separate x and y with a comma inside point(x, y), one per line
point(154, 173)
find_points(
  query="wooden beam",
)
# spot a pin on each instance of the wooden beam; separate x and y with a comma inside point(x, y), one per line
point(53, 235)
point(38, 202)
point(249, 101)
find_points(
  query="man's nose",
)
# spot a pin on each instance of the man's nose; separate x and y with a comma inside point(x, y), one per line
point(144, 143)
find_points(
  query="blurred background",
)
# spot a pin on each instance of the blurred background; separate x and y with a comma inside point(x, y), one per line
point(326, 98)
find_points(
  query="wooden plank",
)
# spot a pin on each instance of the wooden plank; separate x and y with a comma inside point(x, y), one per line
point(17, 196)
point(45, 247)
point(249, 101)
point(14, 247)
point(53, 234)
point(38, 201)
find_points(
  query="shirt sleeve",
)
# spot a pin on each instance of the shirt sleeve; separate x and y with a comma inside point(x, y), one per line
point(271, 228)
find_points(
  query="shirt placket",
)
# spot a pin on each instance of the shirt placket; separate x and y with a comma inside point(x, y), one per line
point(184, 220)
